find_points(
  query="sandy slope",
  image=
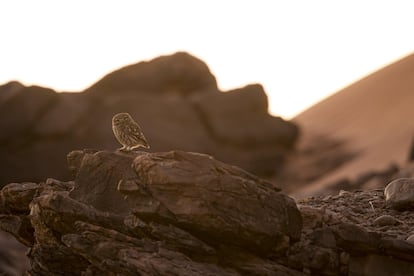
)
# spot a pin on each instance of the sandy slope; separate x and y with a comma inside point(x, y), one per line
point(374, 115)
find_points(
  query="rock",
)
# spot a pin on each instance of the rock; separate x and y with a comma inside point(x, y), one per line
point(64, 116)
point(399, 194)
point(170, 97)
point(312, 217)
point(33, 101)
point(241, 129)
point(180, 187)
point(385, 220)
point(235, 126)
point(152, 213)
point(410, 239)
point(356, 239)
point(398, 248)
point(324, 237)
point(198, 190)
point(379, 265)
point(17, 196)
point(187, 213)
point(9, 90)
point(91, 180)
point(179, 75)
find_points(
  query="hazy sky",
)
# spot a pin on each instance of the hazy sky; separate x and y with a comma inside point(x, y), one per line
point(300, 51)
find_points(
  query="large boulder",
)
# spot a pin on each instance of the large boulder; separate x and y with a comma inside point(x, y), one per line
point(152, 213)
point(190, 190)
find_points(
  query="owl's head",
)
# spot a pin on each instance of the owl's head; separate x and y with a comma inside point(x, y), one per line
point(121, 118)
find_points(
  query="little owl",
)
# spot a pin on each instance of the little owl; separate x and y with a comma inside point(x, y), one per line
point(127, 132)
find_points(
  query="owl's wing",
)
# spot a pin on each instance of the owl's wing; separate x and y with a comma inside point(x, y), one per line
point(135, 131)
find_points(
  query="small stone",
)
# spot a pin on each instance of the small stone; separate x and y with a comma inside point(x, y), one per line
point(327, 198)
point(399, 194)
point(386, 220)
point(410, 239)
point(343, 193)
point(127, 186)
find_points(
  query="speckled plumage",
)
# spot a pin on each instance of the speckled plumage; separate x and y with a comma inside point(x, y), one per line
point(127, 132)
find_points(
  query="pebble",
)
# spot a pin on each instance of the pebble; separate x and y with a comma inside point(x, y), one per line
point(386, 220)
point(399, 194)
point(410, 239)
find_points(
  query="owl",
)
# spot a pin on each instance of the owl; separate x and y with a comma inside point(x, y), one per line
point(128, 133)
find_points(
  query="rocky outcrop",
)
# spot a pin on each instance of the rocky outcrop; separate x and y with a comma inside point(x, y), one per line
point(174, 98)
point(186, 213)
point(151, 213)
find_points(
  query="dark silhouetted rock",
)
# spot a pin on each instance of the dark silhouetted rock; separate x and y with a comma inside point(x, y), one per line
point(174, 98)
point(179, 74)
point(9, 90)
point(20, 113)
point(235, 127)
point(63, 117)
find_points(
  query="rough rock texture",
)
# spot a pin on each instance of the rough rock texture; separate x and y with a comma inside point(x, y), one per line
point(174, 98)
point(348, 223)
point(183, 213)
point(162, 213)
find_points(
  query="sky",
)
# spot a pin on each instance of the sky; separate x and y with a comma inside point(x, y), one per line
point(301, 51)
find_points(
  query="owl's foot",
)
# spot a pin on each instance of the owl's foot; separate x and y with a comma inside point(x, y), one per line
point(123, 149)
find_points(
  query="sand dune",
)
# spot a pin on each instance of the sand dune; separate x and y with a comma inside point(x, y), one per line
point(374, 116)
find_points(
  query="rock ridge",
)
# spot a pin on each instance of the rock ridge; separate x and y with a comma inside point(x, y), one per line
point(187, 213)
